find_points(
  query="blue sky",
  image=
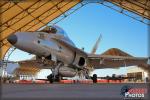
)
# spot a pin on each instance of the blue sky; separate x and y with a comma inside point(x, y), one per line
point(118, 31)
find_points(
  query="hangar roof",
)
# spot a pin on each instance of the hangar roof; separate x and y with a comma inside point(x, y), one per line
point(31, 15)
point(140, 7)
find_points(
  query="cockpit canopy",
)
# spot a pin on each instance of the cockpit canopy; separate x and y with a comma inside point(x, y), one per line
point(54, 30)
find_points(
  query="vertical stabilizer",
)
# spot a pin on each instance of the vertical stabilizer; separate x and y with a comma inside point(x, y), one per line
point(96, 45)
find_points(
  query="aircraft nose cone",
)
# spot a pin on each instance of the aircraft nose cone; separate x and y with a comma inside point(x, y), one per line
point(12, 39)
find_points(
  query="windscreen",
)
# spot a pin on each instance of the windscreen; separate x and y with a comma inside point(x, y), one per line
point(57, 30)
point(54, 30)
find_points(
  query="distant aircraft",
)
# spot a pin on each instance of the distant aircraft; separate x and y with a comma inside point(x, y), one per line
point(54, 50)
point(114, 77)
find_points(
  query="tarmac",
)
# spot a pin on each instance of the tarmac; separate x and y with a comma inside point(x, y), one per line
point(102, 91)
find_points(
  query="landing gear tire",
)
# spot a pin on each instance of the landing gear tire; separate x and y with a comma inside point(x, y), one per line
point(57, 78)
point(50, 78)
point(94, 78)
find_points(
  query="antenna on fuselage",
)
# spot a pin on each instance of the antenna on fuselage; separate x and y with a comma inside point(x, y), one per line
point(96, 45)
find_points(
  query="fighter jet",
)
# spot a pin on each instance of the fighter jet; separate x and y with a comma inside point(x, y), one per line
point(54, 50)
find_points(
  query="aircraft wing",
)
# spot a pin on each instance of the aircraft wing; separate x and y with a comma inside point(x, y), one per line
point(32, 66)
point(47, 64)
point(109, 61)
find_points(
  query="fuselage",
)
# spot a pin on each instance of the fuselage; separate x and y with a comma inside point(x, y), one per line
point(54, 45)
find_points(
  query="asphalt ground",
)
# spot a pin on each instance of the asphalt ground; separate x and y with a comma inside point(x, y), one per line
point(102, 91)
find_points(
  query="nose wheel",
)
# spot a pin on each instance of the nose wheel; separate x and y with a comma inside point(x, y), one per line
point(51, 78)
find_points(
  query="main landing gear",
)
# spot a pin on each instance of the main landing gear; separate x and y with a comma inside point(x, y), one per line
point(94, 78)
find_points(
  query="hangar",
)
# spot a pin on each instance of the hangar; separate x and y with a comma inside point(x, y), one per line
point(25, 15)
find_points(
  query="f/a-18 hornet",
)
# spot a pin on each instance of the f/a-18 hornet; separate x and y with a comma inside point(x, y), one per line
point(54, 50)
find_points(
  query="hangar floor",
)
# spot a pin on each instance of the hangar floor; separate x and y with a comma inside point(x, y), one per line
point(67, 91)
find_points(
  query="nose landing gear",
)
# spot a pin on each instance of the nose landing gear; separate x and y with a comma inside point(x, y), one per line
point(51, 78)
point(55, 77)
